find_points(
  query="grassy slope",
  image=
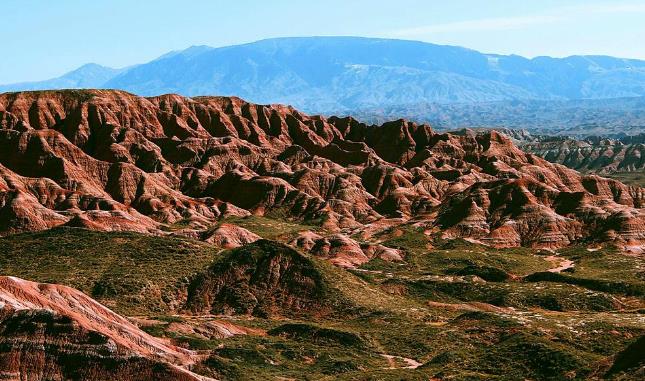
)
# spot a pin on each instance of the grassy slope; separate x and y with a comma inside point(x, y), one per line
point(632, 178)
point(270, 228)
point(129, 272)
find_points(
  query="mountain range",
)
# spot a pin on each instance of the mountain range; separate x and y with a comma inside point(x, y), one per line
point(346, 74)
point(611, 117)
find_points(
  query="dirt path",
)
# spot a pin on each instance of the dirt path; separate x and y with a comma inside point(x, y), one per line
point(472, 306)
point(560, 263)
point(410, 363)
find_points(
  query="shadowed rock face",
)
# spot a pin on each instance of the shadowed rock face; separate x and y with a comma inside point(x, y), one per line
point(630, 359)
point(110, 160)
point(55, 332)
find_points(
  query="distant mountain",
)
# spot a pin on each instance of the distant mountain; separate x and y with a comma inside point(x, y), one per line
point(86, 76)
point(324, 74)
point(579, 117)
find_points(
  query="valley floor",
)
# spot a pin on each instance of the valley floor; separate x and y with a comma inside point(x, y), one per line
point(455, 311)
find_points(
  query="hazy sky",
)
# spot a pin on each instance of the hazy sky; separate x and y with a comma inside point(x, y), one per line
point(44, 39)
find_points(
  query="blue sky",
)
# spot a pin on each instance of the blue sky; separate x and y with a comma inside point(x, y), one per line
point(44, 39)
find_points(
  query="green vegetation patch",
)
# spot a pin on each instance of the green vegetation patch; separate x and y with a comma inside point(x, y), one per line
point(631, 178)
point(318, 335)
point(271, 228)
point(451, 256)
point(491, 274)
point(132, 273)
point(613, 287)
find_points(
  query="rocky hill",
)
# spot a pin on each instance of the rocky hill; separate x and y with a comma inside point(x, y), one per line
point(54, 332)
point(264, 278)
point(592, 154)
point(109, 160)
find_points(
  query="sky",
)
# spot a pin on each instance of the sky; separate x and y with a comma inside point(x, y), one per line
point(43, 39)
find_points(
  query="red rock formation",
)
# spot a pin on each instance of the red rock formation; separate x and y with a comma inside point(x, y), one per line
point(230, 236)
point(344, 251)
point(44, 326)
point(114, 161)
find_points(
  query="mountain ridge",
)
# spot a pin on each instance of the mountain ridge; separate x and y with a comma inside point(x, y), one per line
point(109, 160)
point(88, 75)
